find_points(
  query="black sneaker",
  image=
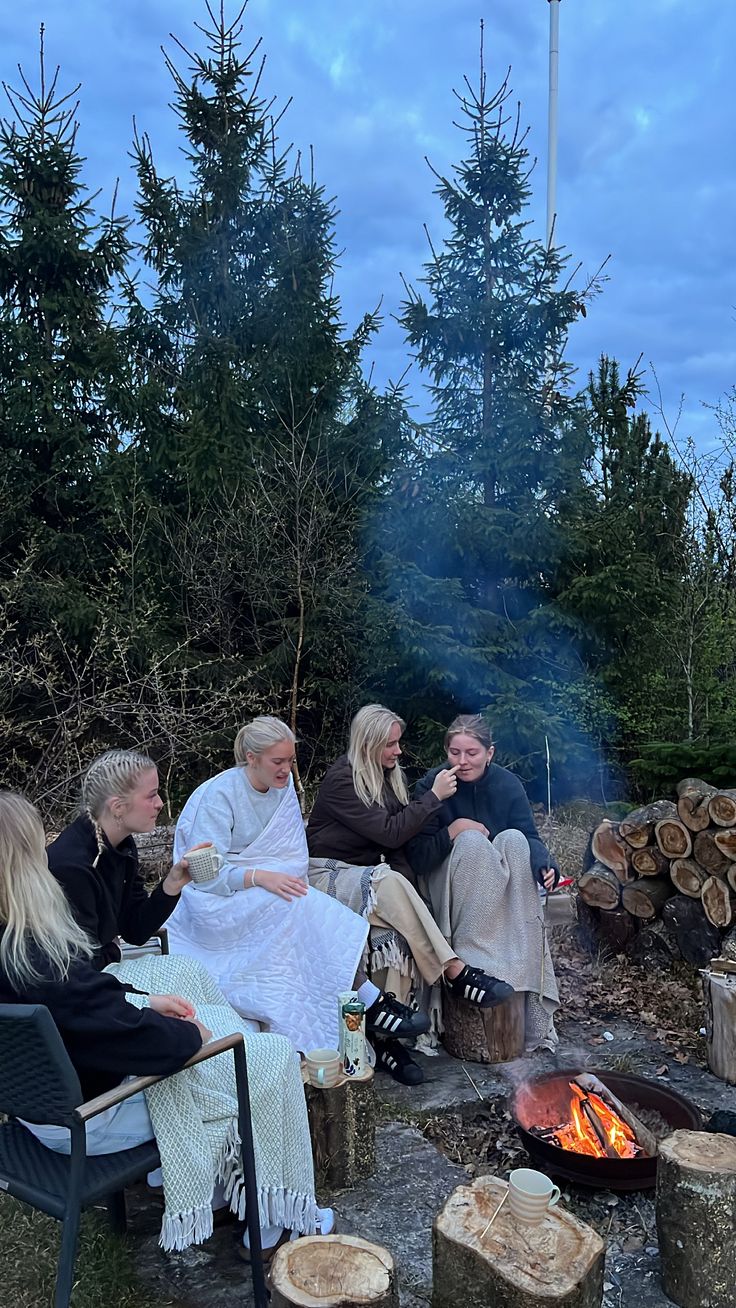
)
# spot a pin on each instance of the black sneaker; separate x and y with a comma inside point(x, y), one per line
point(477, 987)
point(392, 1057)
point(388, 1017)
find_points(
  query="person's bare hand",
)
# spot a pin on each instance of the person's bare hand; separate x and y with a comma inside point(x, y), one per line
point(445, 783)
point(172, 1006)
point(179, 876)
point(548, 877)
point(204, 1031)
point(466, 824)
point(283, 884)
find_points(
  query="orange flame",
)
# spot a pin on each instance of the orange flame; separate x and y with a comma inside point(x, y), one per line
point(578, 1135)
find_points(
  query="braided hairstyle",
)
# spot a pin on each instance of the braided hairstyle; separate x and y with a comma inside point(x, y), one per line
point(113, 774)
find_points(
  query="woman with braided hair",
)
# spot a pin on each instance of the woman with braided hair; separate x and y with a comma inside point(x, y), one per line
point(96, 861)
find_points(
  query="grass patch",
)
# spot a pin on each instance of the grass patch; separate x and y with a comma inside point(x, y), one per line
point(104, 1269)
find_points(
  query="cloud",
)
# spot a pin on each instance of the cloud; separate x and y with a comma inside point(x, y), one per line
point(646, 119)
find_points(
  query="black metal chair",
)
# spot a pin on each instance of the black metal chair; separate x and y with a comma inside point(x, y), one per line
point(39, 1083)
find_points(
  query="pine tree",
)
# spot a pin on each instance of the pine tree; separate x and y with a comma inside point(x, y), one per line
point(260, 442)
point(60, 359)
point(477, 519)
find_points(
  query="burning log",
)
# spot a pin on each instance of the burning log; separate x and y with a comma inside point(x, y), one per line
point(646, 898)
point(692, 803)
point(696, 1201)
point(650, 862)
point(644, 1138)
point(558, 1264)
point(688, 876)
point(716, 900)
point(610, 850)
point(637, 828)
point(597, 1127)
point(673, 838)
point(722, 808)
point(708, 855)
point(600, 887)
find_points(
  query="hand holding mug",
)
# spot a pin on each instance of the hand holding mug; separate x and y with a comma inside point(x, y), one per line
point(444, 785)
point(180, 875)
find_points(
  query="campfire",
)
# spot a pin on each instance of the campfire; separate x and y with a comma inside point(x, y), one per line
point(588, 1127)
point(594, 1128)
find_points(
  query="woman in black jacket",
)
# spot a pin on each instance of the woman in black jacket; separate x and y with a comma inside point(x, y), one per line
point(95, 859)
point(487, 873)
point(45, 958)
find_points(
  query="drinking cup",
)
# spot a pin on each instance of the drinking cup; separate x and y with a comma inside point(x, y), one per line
point(324, 1067)
point(531, 1195)
point(204, 864)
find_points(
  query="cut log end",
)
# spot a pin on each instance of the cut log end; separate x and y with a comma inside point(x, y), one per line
point(645, 899)
point(673, 838)
point(333, 1271)
point(637, 828)
point(717, 902)
point(693, 796)
point(599, 887)
point(611, 850)
point(476, 1263)
point(722, 808)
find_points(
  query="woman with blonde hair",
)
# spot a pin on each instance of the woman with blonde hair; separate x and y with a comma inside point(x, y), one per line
point(358, 832)
point(484, 865)
point(112, 1031)
point(281, 951)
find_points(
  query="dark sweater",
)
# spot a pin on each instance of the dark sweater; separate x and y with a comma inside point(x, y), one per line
point(341, 826)
point(497, 800)
point(105, 1037)
point(110, 899)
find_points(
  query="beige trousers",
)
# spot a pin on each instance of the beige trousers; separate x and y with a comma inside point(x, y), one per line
point(396, 904)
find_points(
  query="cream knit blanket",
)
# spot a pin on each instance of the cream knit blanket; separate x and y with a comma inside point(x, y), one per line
point(194, 1116)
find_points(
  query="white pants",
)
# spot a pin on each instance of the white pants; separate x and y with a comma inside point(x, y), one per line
point(121, 1127)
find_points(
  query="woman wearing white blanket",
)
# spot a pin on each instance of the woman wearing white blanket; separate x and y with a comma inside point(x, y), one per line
point(280, 951)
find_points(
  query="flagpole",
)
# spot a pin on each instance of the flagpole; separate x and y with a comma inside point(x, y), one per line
point(554, 59)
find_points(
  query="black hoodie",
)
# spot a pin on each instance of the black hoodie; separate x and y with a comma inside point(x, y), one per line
point(497, 800)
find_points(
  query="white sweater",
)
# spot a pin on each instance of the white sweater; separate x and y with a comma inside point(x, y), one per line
point(228, 811)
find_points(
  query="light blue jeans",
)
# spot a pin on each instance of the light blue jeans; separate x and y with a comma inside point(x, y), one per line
point(122, 1127)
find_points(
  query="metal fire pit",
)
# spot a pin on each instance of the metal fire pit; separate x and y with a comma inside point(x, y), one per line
point(536, 1103)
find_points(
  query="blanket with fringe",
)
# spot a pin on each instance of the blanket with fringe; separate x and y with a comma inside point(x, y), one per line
point(194, 1116)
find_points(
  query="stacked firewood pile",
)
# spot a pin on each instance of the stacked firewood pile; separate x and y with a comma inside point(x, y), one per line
point(674, 862)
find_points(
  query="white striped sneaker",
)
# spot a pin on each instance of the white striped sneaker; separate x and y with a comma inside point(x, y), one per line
point(388, 1017)
point(477, 987)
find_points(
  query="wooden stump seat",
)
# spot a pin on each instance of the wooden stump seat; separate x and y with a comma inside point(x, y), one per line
point(696, 1218)
point(333, 1271)
point(342, 1124)
point(495, 1035)
point(558, 1264)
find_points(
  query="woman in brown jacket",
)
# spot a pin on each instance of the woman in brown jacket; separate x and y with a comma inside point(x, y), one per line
point(361, 821)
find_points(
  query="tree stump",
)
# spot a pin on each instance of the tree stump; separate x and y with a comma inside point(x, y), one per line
point(342, 1124)
point(333, 1271)
point(696, 1208)
point(494, 1036)
point(720, 1019)
point(558, 1264)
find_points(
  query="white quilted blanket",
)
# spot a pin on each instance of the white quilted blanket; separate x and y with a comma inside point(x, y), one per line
point(279, 964)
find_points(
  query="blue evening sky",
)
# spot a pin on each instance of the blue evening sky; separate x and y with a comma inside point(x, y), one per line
point(647, 123)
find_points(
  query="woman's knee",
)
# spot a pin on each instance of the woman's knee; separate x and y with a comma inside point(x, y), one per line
point(473, 841)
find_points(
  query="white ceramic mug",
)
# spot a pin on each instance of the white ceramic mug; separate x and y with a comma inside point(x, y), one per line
point(204, 864)
point(531, 1195)
point(324, 1067)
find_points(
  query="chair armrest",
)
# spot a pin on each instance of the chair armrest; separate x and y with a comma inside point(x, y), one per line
point(128, 1088)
